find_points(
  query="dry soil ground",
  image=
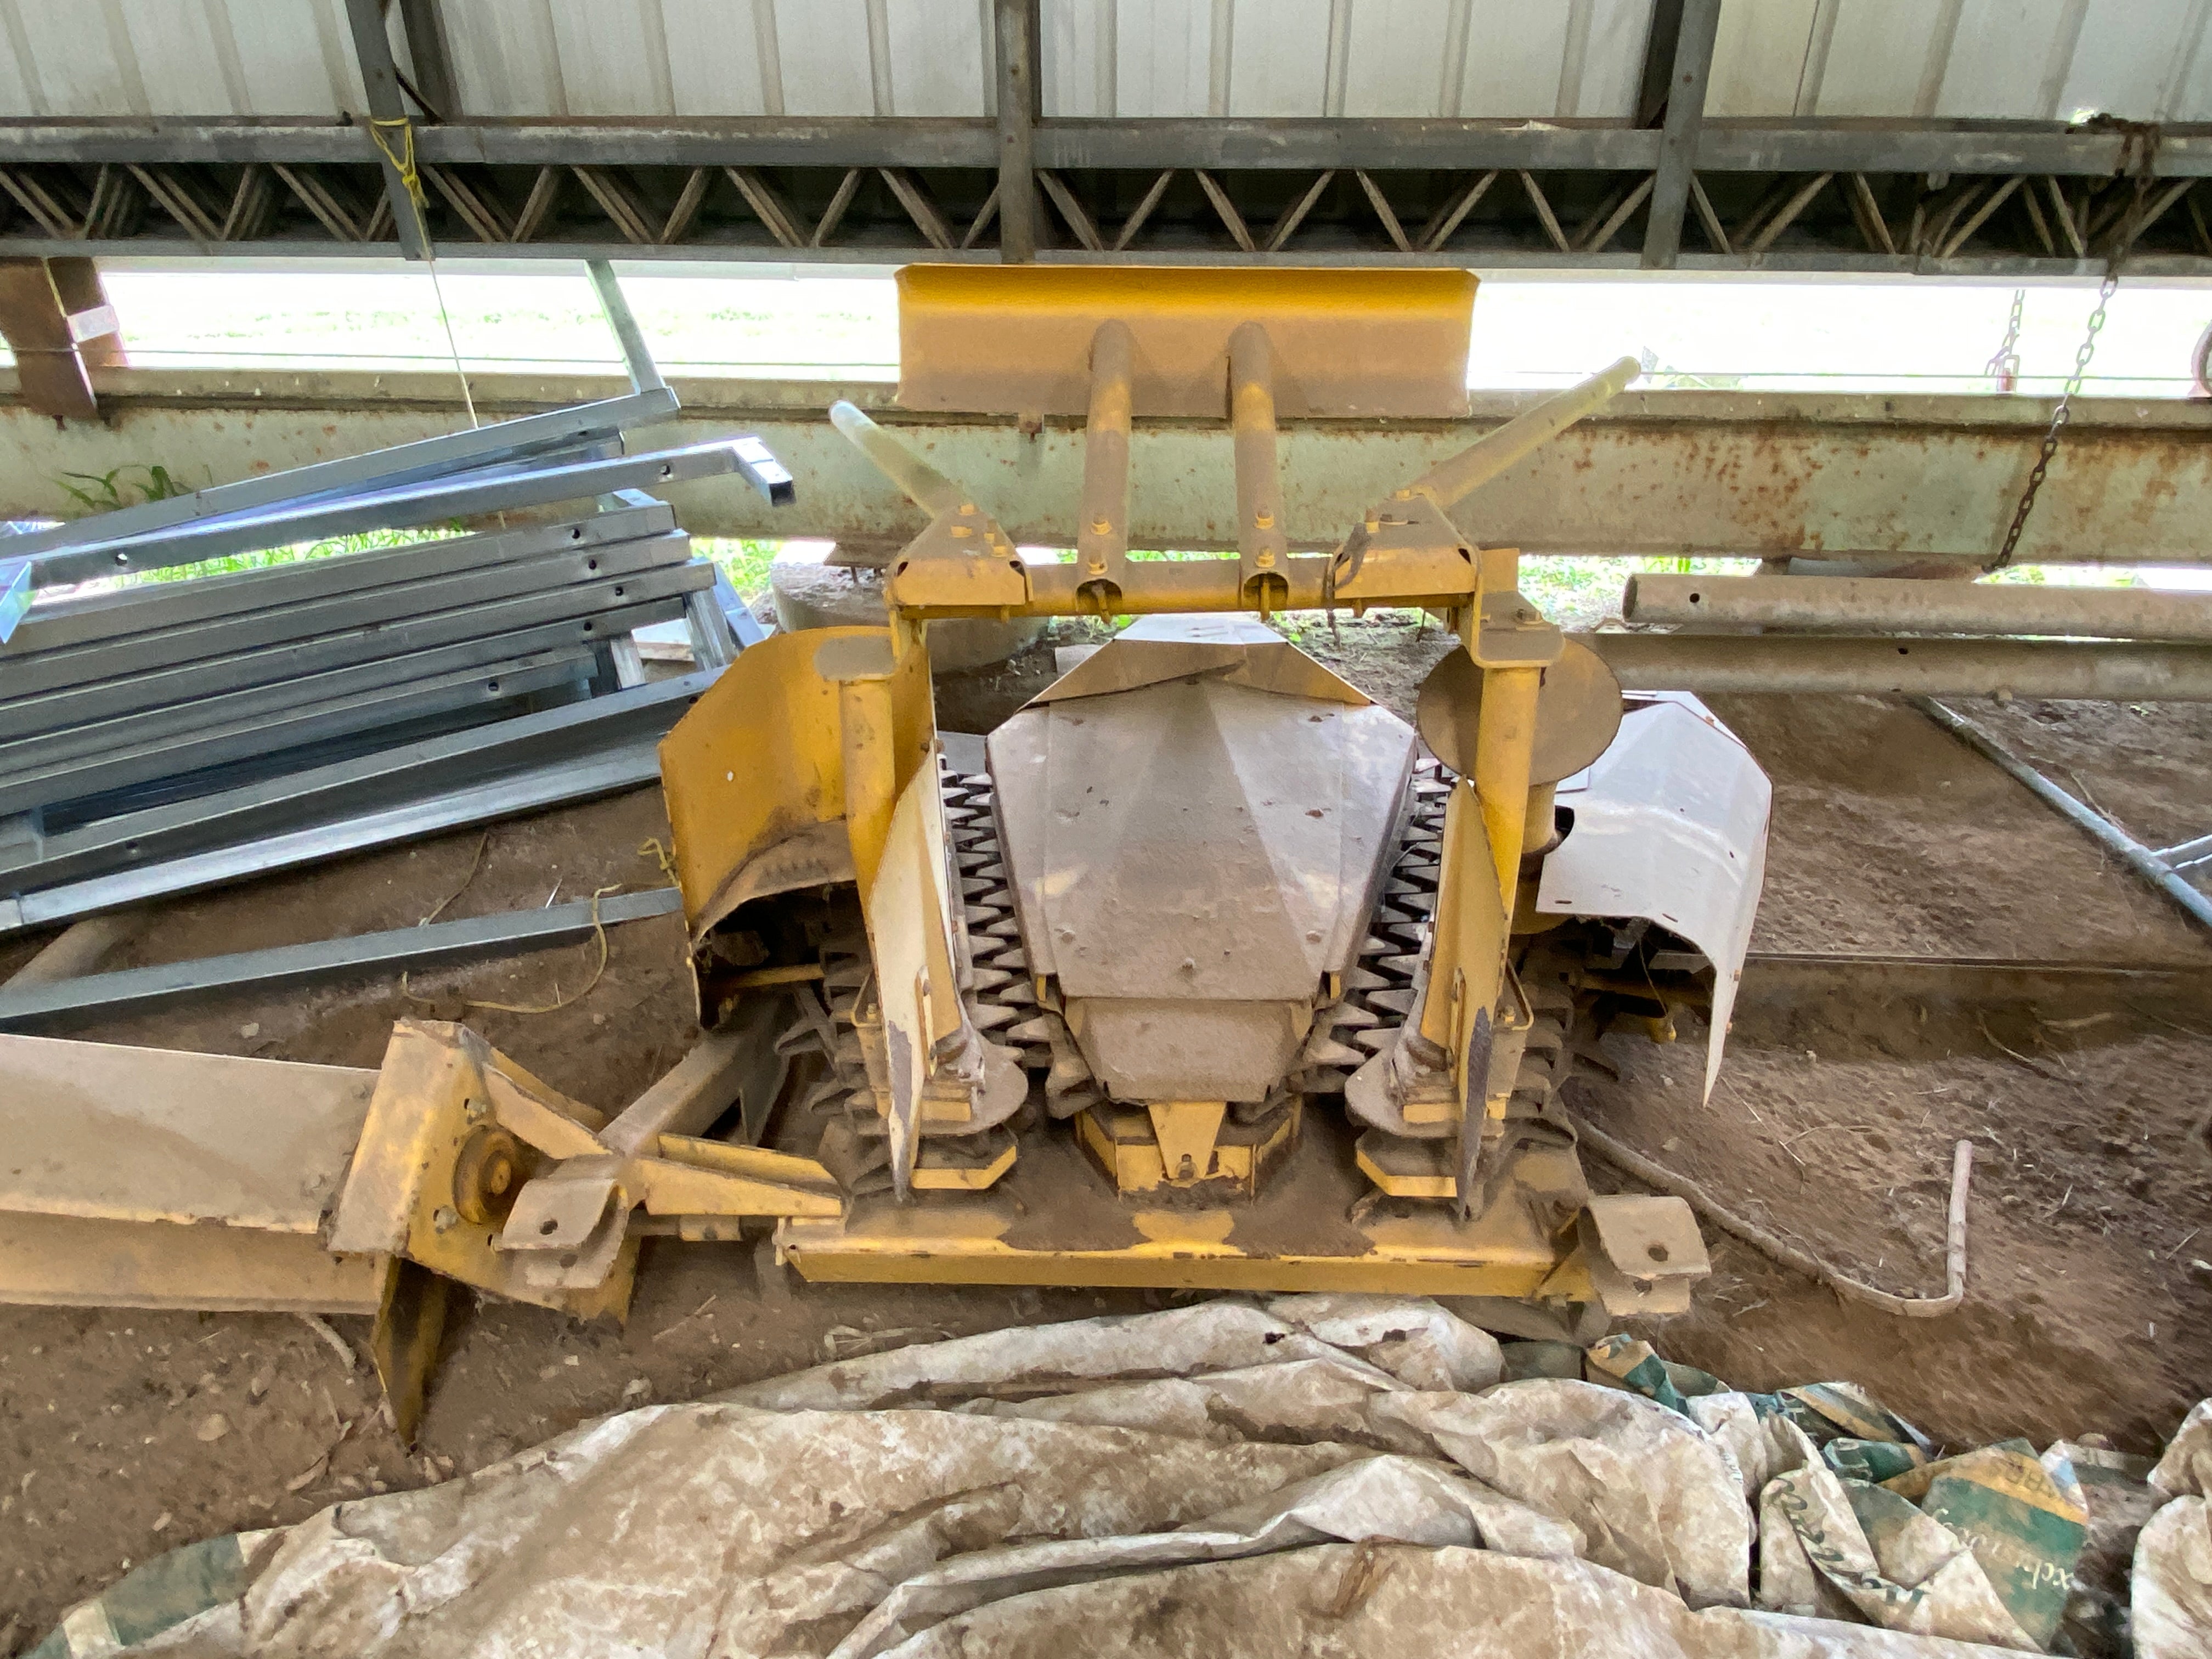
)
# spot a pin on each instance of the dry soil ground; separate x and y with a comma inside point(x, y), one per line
point(125, 1433)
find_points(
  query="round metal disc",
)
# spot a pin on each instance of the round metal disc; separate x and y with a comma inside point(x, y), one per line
point(1577, 711)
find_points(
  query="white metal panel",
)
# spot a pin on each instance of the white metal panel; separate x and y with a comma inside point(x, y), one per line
point(1612, 71)
point(1758, 57)
point(179, 66)
point(1079, 57)
point(2002, 59)
point(1397, 62)
point(1514, 54)
point(1670, 824)
point(74, 48)
point(1162, 56)
point(823, 47)
point(2126, 60)
point(20, 91)
point(1279, 57)
point(1877, 57)
point(2189, 95)
point(715, 57)
point(506, 57)
point(614, 56)
point(296, 59)
point(937, 50)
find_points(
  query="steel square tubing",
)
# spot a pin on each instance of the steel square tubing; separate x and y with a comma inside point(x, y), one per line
point(93, 618)
point(360, 783)
point(546, 657)
point(400, 949)
point(379, 469)
point(527, 792)
point(400, 507)
point(187, 694)
point(93, 682)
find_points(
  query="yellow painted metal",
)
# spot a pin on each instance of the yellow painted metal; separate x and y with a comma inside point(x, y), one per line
point(1130, 1150)
point(104, 1130)
point(436, 1089)
point(1502, 746)
point(930, 1177)
point(1016, 338)
point(1468, 937)
point(403, 1344)
point(949, 1243)
point(1406, 1169)
point(666, 1187)
point(1183, 1130)
point(759, 763)
point(77, 1261)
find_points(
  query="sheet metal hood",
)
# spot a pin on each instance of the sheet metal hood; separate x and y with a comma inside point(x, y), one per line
point(1200, 813)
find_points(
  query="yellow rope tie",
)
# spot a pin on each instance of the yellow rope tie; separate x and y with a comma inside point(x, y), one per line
point(559, 1002)
point(402, 157)
point(650, 847)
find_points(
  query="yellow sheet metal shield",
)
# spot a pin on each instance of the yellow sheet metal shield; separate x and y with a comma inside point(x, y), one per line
point(1016, 339)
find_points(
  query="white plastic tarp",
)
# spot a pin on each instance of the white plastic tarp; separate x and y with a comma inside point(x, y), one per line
point(1320, 1475)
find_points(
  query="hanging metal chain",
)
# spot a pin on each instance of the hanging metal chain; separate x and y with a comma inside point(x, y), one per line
point(2003, 365)
point(2059, 417)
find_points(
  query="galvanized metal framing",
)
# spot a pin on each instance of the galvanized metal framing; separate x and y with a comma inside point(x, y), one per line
point(1841, 195)
point(599, 773)
point(324, 794)
point(133, 990)
point(434, 501)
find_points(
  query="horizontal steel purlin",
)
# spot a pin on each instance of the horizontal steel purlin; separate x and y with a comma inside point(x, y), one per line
point(1662, 472)
point(59, 623)
point(363, 783)
point(435, 945)
point(1373, 143)
point(604, 773)
point(433, 501)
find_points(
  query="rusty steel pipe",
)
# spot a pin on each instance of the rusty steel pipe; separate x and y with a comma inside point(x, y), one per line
point(1452, 480)
point(923, 484)
point(1259, 539)
point(1102, 535)
point(2114, 672)
point(1876, 605)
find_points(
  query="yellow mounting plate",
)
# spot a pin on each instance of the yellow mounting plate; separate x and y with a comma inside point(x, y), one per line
point(1015, 339)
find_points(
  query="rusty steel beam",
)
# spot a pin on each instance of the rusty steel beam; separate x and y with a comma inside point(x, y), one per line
point(1664, 472)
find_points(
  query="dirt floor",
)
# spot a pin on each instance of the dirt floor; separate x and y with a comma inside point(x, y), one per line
point(123, 1434)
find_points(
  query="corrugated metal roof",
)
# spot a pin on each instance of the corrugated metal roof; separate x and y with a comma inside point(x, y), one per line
point(2034, 59)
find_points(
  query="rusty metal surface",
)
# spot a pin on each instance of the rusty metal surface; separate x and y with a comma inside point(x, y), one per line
point(1706, 663)
point(1655, 473)
point(1872, 604)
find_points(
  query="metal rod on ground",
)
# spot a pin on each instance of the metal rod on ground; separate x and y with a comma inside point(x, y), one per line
point(1449, 481)
point(637, 357)
point(924, 485)
point(1876, 605)
point(399, 949)
point(2132, 852)
point(1909, 1307)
